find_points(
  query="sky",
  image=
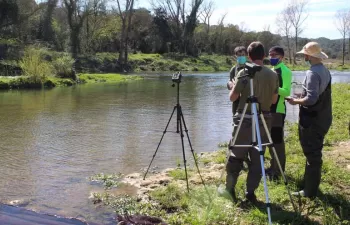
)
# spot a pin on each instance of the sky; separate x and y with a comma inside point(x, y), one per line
point(256, 15)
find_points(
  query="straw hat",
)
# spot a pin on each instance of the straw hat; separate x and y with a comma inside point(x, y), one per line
point(313, 49)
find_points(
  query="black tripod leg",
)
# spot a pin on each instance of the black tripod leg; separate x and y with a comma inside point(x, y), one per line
point(160, 141)
point(182, 143)
point(189, 141)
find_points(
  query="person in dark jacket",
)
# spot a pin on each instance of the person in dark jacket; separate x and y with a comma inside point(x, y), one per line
point(315, 115)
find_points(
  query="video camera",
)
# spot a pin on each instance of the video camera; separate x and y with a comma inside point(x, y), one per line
point(176, 77)
point(252, 68)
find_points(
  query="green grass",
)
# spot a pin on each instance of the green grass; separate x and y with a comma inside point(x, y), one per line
point(21, 82)
point(106, 78)
point(179, 62)
point(108, 180)
point(330, 66)
point(179, 173)
point(332, 206)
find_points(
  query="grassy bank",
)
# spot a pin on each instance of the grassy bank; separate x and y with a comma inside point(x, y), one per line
point(106, 78)
point(178, 62)
point(171, 202)
point(23, 82)
point(330, 64)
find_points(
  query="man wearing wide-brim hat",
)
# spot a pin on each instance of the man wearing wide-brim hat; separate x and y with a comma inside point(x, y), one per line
point(315, 115)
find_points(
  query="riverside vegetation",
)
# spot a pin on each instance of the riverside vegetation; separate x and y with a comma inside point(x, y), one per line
point(41, 67)
point(165, 195)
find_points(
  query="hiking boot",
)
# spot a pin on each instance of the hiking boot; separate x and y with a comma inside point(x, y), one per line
point(227, 193)
point(302, 194)
point(272, 176)
point(251, 197)
point(299, 193)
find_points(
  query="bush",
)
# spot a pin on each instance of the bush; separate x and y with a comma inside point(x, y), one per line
point(64, 66)
point(33, 65)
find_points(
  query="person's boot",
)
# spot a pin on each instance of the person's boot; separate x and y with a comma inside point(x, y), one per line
point(251, 197)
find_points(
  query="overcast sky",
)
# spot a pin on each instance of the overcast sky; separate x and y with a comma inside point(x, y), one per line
point(257, 14)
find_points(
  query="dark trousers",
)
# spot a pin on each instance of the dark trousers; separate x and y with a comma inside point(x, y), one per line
point(238, 155)
point(311, 140)
point(277, 135)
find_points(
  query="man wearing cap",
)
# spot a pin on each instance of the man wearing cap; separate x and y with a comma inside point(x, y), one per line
point(315, 115)
point(278, 111)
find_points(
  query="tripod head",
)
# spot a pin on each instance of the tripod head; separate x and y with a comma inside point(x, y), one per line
point(176, 78)
point(251, 69)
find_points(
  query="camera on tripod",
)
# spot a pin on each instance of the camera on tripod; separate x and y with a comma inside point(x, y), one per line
point(252, 68)
point(176, 77)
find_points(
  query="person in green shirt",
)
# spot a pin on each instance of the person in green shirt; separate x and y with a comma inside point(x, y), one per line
point(278, 111)
point(241, 57)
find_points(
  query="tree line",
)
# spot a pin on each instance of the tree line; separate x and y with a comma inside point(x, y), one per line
point(172, 26)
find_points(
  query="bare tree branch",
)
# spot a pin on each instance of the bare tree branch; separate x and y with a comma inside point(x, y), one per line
point(206, 14)
point(297, 14)
point(342, 23)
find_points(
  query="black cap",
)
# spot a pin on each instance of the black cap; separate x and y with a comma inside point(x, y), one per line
point(277, 49)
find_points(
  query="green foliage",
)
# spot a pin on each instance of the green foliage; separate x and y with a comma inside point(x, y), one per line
point(109, 78)
point(171, 198)
point(218, 157)
point(179, 174)
point(63, 66)
point(108, 180)
point(34, 66)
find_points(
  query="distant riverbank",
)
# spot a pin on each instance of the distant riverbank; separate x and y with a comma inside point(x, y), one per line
point(23, 82)
point(104, 67)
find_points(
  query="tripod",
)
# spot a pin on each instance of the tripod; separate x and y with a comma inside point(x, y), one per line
point(256, 135)
point(180, 123)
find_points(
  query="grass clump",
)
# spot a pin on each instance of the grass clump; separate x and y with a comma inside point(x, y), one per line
point(106, 78)
point(108, 180)
point(179, 174)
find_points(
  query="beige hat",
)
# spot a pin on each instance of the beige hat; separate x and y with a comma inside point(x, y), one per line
point(313, 49)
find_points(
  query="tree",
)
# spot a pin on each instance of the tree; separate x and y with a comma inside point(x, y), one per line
point(284, 26)
point(219, 32)
point(206, 13)
point(267, 39)
point(46, 30)
point(341, 20)
point(125, 17)
point(190, 25)
point(297, 16)
point(182, 21)
point(77, 11)
point(94, 23)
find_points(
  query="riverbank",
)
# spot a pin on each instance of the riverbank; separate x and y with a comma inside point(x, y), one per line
point(163, 194)
point(23, 82)
point(139, 62)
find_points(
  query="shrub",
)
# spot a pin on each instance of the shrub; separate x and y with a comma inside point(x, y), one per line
point(64, 66)
point(33, 65)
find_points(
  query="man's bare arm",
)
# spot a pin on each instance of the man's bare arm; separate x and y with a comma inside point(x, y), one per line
point(274, 98)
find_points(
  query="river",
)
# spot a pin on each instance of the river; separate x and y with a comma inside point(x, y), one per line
point(52, 141)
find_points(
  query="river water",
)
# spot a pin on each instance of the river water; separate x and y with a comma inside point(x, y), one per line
point(52, 141)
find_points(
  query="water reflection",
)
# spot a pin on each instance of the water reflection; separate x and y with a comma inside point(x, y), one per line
point(53, 140)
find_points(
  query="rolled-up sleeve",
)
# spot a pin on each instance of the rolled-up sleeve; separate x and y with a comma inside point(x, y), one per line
point(312, 86)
